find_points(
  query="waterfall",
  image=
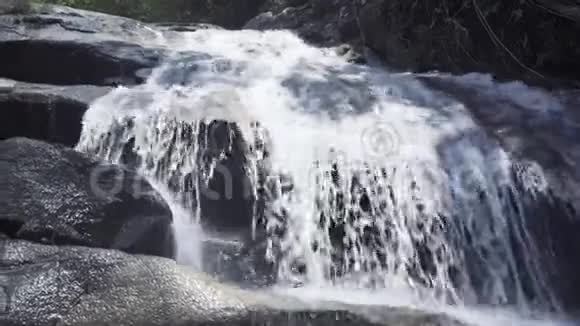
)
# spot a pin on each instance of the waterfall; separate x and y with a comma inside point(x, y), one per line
point(346, 175)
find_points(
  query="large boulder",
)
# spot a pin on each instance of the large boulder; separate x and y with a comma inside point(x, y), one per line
point(63, 46)
point(45, 112)
point(104, 63)
point(52, 194)
point(531, 40)
point(47, 285)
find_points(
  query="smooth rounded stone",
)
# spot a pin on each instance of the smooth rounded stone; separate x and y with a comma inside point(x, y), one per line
point(64, 46)
point(103, 63)
point(78, 286)
point(45, 112)
point(52, 194)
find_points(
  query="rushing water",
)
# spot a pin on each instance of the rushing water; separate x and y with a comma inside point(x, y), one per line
point(356, 177)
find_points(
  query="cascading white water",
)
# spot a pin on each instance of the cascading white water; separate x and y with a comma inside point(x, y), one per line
point(373, 180)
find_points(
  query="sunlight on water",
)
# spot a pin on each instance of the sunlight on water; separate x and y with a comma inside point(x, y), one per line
point(471, 315)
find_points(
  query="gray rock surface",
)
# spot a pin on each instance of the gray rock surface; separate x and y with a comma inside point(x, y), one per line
point(63, 46)
point(46, 285)
point(52, 194)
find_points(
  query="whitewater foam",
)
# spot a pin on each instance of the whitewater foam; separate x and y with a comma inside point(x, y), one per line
point(389, 186)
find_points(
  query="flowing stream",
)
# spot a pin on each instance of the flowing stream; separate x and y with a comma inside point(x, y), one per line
point(350, 177)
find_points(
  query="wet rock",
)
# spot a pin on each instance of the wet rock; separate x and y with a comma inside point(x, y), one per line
point(539, 129)
point(219, 182)
point(227, 204)
point(350, 54)
point(47, 285)
point(76, 62)
point(207, 166)
point(540, 126)
point(323, 23)
point(44, 112)
point(55, 195)
point(240, 262)
point(50, 22)
point(555, 224)
point(295, 19)
point(64, 46)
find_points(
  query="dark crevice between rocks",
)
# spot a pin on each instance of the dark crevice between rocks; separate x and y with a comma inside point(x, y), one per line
point(232, 209)
point(9, 228)
point(59, 121)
